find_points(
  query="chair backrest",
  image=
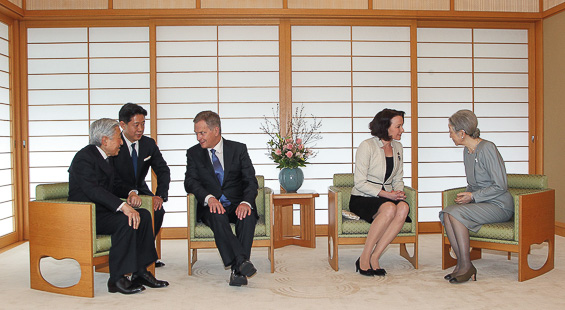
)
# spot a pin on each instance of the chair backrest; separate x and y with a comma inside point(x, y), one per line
point(52, 191)
point(343, 180)
point(530, 181)
point(260, 200)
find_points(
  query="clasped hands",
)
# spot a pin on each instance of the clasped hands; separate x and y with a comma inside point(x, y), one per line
point(242, 211)
point(393, 195)
point(464, 197)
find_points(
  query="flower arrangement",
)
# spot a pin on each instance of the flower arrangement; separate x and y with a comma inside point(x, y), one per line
point(290, 149)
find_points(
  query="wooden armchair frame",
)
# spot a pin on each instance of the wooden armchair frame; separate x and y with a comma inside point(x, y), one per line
point(62, 229)
point(533, 222)
point(336, 196)
point(195, 243)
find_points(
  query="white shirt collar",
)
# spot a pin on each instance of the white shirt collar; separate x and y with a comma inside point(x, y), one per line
point(102, 152)
point(129, 143)
point(219, 147)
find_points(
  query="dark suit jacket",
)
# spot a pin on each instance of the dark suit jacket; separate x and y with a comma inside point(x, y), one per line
point(240, 183)
point(92, 179)
point(149, 157)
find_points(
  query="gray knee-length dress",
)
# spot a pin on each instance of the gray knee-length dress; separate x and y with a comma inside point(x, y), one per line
point(487, 181)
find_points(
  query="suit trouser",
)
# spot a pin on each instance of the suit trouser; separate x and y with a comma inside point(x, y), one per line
point(158, 219)
point(132, 249)
point(233, 248)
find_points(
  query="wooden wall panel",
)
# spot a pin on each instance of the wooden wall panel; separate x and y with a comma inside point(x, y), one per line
point(497, 6)
point(154, 4)
point(328, 4)
point(66, 4)
point(548, 4)
point(412, 4)
point(554, 109)
point(17, 2)
point(241, 4)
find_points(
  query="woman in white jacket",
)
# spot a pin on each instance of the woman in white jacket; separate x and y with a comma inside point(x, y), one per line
point(378, 195)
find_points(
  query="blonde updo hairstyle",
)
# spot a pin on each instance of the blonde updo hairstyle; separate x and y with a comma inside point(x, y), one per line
point(465, 120)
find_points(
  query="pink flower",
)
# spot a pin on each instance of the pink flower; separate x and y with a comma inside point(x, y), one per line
point(288, 140)
point(278, 152)
point(289, 154)
point(288, 146)
point(301, 146)
point(299, 141)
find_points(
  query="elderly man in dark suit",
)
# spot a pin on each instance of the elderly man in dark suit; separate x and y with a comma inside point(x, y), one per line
point(137, 155)
point(93, 179)
point(220, 174)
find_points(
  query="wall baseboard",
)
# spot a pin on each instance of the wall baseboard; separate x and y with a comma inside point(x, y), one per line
point(429, 228)
point(560, 229)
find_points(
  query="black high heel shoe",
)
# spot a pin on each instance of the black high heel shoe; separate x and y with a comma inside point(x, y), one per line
point(368, 272)
point(378, 272)
point(470, 274)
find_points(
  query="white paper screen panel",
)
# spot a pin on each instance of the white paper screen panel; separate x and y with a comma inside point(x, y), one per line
point(75, 76)
point(232, 70)
point(344, 75)
point(484, 70)
point(7, 214)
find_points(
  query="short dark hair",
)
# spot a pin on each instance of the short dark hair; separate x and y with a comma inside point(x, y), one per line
point(381, 122)
point(129, 110)
point(211, 118)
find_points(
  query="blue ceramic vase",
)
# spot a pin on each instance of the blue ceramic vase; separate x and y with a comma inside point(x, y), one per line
point(291, 179)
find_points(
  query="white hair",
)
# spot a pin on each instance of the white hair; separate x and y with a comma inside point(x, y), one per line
point(104, 127)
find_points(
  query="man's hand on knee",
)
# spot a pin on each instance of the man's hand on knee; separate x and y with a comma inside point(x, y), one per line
point(216, 206)
point(133, 216)
point(242, 211)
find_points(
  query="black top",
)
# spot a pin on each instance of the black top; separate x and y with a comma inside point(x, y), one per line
point(389, 167)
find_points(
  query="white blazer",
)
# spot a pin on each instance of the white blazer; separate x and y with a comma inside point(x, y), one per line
point(370, 168)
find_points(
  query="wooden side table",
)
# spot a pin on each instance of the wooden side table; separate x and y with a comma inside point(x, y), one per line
point(306, 199)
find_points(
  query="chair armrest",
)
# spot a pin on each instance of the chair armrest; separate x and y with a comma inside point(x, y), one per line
point(412, 200)
point(448, 196)
point(55, 227)
point(335, 206)
point(534, 212)
point(191, 214)
point(268, 208)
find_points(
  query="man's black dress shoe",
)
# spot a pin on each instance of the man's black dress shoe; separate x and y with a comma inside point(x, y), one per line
point(159, 264)
point(247, 269)
point(124, 286)
point(147, 279)
point(237, 279)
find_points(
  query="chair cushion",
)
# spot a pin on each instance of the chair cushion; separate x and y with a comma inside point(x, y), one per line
point(103, 245)
point(499, 231)
point(362, 227)
point(203, 231)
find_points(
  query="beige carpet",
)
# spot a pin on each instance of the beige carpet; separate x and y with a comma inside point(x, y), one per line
point(303, 280)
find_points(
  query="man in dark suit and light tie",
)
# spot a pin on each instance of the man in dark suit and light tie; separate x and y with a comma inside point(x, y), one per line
point(93, 179)
point(137, 155)
point(220, 174)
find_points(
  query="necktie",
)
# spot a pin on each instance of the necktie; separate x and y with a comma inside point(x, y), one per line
point(134, 158)
point(219, 171)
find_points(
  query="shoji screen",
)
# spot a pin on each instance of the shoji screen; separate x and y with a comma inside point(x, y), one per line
point(232, 70)
point(344, 75)
point(484, 70)
point(75, 76)
point(6, 184)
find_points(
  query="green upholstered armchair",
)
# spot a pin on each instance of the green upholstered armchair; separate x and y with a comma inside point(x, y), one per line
point(66, 229)
point(201, 236)
point(346, 231)
point(533, 223)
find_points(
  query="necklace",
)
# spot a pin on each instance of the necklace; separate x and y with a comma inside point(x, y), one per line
point(472, 149)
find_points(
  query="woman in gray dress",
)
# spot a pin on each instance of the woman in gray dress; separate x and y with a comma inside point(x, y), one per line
point(486, 199)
